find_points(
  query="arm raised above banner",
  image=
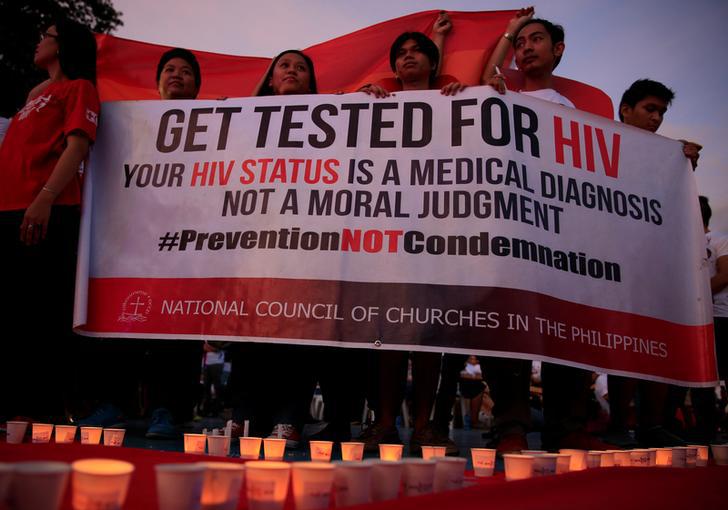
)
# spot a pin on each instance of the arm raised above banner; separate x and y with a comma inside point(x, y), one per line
point(440, 29)
point(505, 43)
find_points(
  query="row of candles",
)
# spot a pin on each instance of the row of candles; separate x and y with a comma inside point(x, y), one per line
point(315, 484)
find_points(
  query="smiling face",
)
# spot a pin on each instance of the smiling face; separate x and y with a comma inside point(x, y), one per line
point(411, 63)
point(177, 80)
point(647, 114)
point(535, 52)
point(46, 52)
point(290, 75)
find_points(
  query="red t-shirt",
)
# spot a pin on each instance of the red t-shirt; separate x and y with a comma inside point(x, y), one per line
point(36, 139)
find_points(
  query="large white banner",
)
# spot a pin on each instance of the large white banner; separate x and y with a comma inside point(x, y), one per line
point(479, 223)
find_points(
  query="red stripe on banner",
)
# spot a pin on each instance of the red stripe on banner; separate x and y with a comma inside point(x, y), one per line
point(126, 69)
point(451, 318)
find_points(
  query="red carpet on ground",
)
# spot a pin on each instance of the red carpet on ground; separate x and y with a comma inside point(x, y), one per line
point(607, 488)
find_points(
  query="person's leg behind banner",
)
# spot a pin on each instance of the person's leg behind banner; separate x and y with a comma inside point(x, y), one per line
point(566, 394)
point(510, 382)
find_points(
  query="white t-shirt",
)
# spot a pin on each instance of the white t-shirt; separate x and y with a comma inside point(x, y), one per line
point(717, 248)
point(549, 95)
point(600, 390)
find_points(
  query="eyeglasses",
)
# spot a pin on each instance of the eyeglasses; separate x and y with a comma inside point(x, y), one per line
point(44, 35)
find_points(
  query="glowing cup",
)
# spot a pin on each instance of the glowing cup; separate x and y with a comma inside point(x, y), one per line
point(266, 484)
point(390, 452)
point(221, 485)
point(312, 484)
point(42, 432)
point(179, 486)
point(321, 450)
point(273, 448)
point(518, 467)
point(65, 434)
point(418, 476)
point(100, 483)
point(352, 451)
point(352, 483)
point(483, 461)
point(38, 485)
point(195, 443)
point(91, 435)
point(449, 473)
point(250, 447)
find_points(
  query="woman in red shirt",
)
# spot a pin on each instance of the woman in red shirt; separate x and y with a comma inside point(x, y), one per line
point(40, 193)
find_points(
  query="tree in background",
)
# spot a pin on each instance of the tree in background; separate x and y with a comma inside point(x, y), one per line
point(21, 23)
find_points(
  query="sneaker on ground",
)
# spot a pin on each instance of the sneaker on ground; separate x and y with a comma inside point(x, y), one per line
point(105, 415)
point(376, 435)
point(162, 426)
point(288, 432)
point(430, 437)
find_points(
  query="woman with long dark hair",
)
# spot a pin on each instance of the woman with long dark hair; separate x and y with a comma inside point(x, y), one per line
point(40, 195)
point(272, 385)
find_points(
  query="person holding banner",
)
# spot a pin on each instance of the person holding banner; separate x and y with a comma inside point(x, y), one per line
point(169, 370)
point(272, 385)
point(40, 194)
point(643, 105)
point(539, 46)
point(415, 59)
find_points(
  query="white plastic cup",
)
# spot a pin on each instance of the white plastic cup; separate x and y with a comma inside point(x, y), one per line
point(720, 454)
point(390, 452)
point(639, 458)
point(179, 486)
point(352, 483)
point(622, 458)
point(222, 484)
point(518, 467)
point(563, 463)
point(483, 461)
point(593, 459)
point(578, 459)
point(266, 484)
point(250, 447)
point(691, 456)
point(449, 473)
point(653, 456)
point(16, 431)
point(386, 479)
point(91, 435)
point(663, 457)
point(607, 459)
point(321, 450)
point(533, 452)
point(274, 448)
point(195, 443)
point(544, 464)
point(433, 452)
point(679, 455)
point(312, 484)
point(702, 458)
point(218, 446)
point(418, 476)
point(42, 432)
point(114, 437)
point(352, 451)
point(100, 483)
point(65, 434)
point(38, 485)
